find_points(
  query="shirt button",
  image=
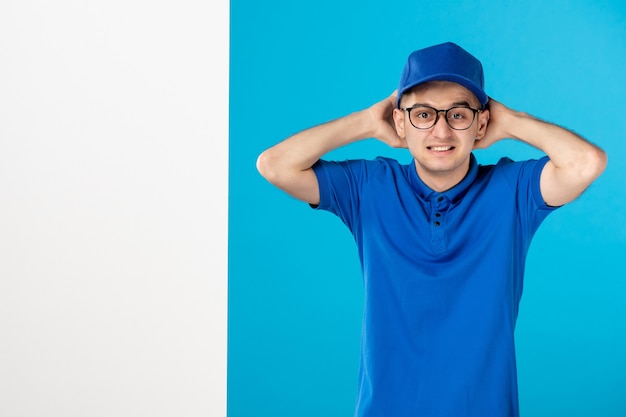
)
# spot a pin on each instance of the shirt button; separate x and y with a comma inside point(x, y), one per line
point(437, 224)
point(437, 214)
point(440, 198)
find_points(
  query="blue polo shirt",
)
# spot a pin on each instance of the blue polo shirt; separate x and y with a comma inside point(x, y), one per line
point(443, 275)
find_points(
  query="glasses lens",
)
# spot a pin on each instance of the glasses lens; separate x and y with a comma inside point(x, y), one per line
point(423, 117)
point(460, 118)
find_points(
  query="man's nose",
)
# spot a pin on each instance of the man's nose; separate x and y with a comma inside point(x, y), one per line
point(441, 127)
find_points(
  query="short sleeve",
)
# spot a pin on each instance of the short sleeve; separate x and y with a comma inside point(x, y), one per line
point(525, 179)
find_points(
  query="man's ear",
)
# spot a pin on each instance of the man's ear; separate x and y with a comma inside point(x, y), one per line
point(398, 119)
point(483, 122)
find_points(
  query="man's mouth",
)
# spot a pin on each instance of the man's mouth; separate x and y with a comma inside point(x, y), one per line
point(440, 148)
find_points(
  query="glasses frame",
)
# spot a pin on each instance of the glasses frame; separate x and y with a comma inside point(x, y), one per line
point(437, 111)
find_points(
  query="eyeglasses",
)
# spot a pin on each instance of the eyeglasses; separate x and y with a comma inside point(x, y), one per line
point(425, 117)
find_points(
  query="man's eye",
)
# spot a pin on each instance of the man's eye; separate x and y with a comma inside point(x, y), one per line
point(423, 115)
point(456, 116)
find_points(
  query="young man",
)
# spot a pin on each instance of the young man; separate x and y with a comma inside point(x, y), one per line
point(442, 240)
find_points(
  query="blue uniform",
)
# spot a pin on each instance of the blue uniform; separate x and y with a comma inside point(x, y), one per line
point(443, 276)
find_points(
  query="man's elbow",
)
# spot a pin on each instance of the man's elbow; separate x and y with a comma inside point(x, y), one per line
point(264, 164)
point(596, 163)
point(268, 164)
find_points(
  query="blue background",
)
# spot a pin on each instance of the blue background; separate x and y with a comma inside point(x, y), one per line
point(295, 295)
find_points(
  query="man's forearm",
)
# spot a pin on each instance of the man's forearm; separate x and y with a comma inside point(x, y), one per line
point(300, 151)
point(576, 162)
point(566, 149)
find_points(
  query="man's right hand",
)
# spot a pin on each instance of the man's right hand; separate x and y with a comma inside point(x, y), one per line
point(381, 114)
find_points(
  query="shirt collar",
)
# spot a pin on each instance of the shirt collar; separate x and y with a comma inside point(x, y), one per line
point(453, 194)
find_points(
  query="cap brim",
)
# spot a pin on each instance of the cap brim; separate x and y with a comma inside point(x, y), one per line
point(471, 86)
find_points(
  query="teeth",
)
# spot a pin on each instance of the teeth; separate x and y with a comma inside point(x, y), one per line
point(441, 148)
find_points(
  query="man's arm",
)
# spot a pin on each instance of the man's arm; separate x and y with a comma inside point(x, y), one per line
point(288, 164)
point(574, 162)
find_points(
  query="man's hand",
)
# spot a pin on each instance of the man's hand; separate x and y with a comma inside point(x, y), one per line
point(381, 115)
point(497, 125)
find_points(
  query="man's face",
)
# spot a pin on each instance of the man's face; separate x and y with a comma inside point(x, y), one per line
point(440, 152)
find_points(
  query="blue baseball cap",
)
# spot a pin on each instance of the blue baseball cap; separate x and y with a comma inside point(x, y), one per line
point(444, 62)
